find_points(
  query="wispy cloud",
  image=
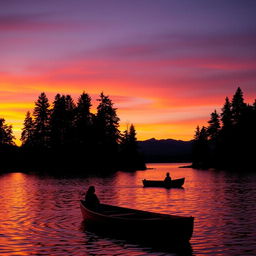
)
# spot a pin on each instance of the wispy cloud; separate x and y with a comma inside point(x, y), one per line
point(166, 65)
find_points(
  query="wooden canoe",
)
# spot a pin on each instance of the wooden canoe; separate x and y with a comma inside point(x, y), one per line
point(178, 183)
point(137, 223)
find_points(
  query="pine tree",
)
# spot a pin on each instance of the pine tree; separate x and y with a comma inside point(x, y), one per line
point(226, 115)
point(130, 156)
point(234, 143)
point(69, 104)
point(238, 105)
point(201, 148)
point(57, 121)
point(62, 120)
point(197, 133)
point(41, 114)
point(214, 126)
point(133, 139)
point(129, 141)
point(6, 134)
point(83, 107)
point(203, 136)
point(70, 108)
point(107, 122)
point(27, 131)
point(124, 137)
point(83, 120)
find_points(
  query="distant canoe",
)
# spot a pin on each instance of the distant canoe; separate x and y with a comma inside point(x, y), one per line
point(137, 223)
point(178, 183)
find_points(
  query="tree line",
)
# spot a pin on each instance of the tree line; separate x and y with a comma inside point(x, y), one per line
point(229, 139)
point(69, 134)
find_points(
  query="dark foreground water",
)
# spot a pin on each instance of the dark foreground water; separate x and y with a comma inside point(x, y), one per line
point(40, 215)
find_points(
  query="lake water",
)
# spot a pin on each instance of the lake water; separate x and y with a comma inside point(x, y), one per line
point(40, 215)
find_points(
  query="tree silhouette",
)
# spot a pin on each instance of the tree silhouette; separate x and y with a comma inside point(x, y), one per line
point(27, 131)
point(214, 126)
point(57, 121)
point(130, 155)
point(70, 135)
point(41, 123)
point(201, 148)
point(129, 144)
point(84, 121)
point(225, 148)
point(238, 105)
point(6, 135)
point(226, 115)
point(107, 123)
point(231, 144)
point(70, 108)
point(132, 140)
point(8, 149)
point(197, 133)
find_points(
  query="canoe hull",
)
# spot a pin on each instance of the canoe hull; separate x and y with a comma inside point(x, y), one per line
point(178, 183)
point(145, 225)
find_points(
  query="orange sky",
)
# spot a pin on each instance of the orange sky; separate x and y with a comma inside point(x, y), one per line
point(165, 69)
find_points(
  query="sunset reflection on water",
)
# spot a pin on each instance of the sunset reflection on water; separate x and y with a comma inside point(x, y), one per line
point(41, 215)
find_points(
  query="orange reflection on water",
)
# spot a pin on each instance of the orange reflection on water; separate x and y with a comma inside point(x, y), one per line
point(15, 209)
point(40, 215)
point(129, 191)
point(201, 197)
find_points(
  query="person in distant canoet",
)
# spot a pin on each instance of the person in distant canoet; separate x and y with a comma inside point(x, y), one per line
point(91, 200)
point(167, 178)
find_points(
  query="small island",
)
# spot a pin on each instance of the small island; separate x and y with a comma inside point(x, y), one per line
point(67, 137)
point(228, 142)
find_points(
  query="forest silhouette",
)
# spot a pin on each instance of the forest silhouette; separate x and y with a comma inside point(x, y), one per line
point(69, 135)
point(229, 139)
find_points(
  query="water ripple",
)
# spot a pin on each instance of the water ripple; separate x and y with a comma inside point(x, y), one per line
point(40, 215)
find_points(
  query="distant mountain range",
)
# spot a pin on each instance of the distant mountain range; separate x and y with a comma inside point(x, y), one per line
point(167, 150)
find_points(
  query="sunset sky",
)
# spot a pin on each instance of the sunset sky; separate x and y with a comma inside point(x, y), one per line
point(165, 64)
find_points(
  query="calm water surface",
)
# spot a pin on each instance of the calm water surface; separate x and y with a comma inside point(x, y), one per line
point(40, 215)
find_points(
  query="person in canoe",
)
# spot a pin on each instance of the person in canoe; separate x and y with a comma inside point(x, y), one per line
point(167, 178)
point(91, 199)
